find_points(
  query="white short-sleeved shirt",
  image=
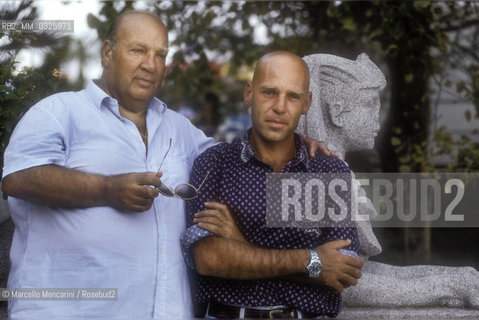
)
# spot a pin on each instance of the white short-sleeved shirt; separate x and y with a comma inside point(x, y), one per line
point(101, 247)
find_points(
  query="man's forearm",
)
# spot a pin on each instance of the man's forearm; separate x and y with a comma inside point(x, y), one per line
point(56, 186)
point(232, 259)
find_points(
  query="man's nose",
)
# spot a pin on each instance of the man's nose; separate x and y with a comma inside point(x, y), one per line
point(149, 63)
point(280, 104)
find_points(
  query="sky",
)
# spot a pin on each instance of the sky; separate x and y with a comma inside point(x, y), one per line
point(77, 11)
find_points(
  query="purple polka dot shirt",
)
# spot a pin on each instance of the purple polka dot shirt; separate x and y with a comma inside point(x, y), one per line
point(238, 179)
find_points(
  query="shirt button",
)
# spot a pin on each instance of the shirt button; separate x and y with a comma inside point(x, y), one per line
point(160, 283)
point(161, 251)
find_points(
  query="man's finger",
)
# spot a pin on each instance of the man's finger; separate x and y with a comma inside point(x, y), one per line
point(356, 263)
point(149, 179)
point(348, 281)
point(138, 207)
point(147, 192)
point(353, 272)
point(338, 286)
point(211, 228)
point(339, 244)
point(312, 146)
point(216, 205)
point(208, 213)
point(210, 220)
point(324, 149)
point(142, 201)
point(152, 192)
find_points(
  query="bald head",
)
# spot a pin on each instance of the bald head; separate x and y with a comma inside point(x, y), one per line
point(122, 20)
point(280, 58)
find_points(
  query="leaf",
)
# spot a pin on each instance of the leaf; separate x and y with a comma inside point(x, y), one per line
point(395, 141)
point(375, 33)
point(332, 11)
point(408, 78)
point(391, 49)
point(418, 5)
point(349, 24)
point(93, 22)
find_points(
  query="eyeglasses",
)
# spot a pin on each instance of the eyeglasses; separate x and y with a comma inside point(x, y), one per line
point(184, 191)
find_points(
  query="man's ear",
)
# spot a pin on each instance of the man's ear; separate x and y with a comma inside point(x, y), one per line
point(307, 104)
point(106, 53)
point(248, 93)
point(335, 113)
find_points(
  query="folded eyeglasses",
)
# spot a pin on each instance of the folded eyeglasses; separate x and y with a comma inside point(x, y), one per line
point(183, 191)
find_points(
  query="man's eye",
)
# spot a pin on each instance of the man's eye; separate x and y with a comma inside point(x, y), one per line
point(268, 92)
point(136, 50)
point(294, 97)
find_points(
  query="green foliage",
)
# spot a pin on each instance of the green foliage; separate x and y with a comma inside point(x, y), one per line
point(410, 39)
point(468, 158)
point(20, 89)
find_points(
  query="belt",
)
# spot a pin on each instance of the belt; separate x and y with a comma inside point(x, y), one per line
point(219, 310)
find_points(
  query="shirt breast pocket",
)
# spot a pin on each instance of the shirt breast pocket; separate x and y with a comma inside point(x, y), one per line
point(175, 170)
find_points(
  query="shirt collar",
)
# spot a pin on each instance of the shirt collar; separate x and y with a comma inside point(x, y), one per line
point(100, 97)
point(301, 156)
point(96, 94)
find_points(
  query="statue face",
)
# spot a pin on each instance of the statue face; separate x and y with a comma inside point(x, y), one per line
point(360, 125)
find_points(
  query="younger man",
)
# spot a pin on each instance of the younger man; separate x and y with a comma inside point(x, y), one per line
point(258, 271)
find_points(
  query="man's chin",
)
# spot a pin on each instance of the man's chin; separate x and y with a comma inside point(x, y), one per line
point(144, 96)
point(275, 137)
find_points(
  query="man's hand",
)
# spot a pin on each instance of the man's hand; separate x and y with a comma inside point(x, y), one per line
point(132, 191)
point(339, 271)
point(58, 186)
point(218, 220)
point(317, 145)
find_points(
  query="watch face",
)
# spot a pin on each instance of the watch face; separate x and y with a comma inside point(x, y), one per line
point(314, 269)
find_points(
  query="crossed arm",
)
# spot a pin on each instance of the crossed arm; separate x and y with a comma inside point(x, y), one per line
point(229, 255)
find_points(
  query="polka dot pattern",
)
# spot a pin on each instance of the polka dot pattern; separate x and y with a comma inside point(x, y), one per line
point(238, 179)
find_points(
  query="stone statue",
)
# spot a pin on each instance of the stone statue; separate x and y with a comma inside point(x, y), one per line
point(345, 114)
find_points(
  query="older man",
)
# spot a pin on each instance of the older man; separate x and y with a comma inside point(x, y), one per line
point(80, 170)
point(259, 271)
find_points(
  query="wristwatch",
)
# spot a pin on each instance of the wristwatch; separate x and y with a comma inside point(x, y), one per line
point(314, 266)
